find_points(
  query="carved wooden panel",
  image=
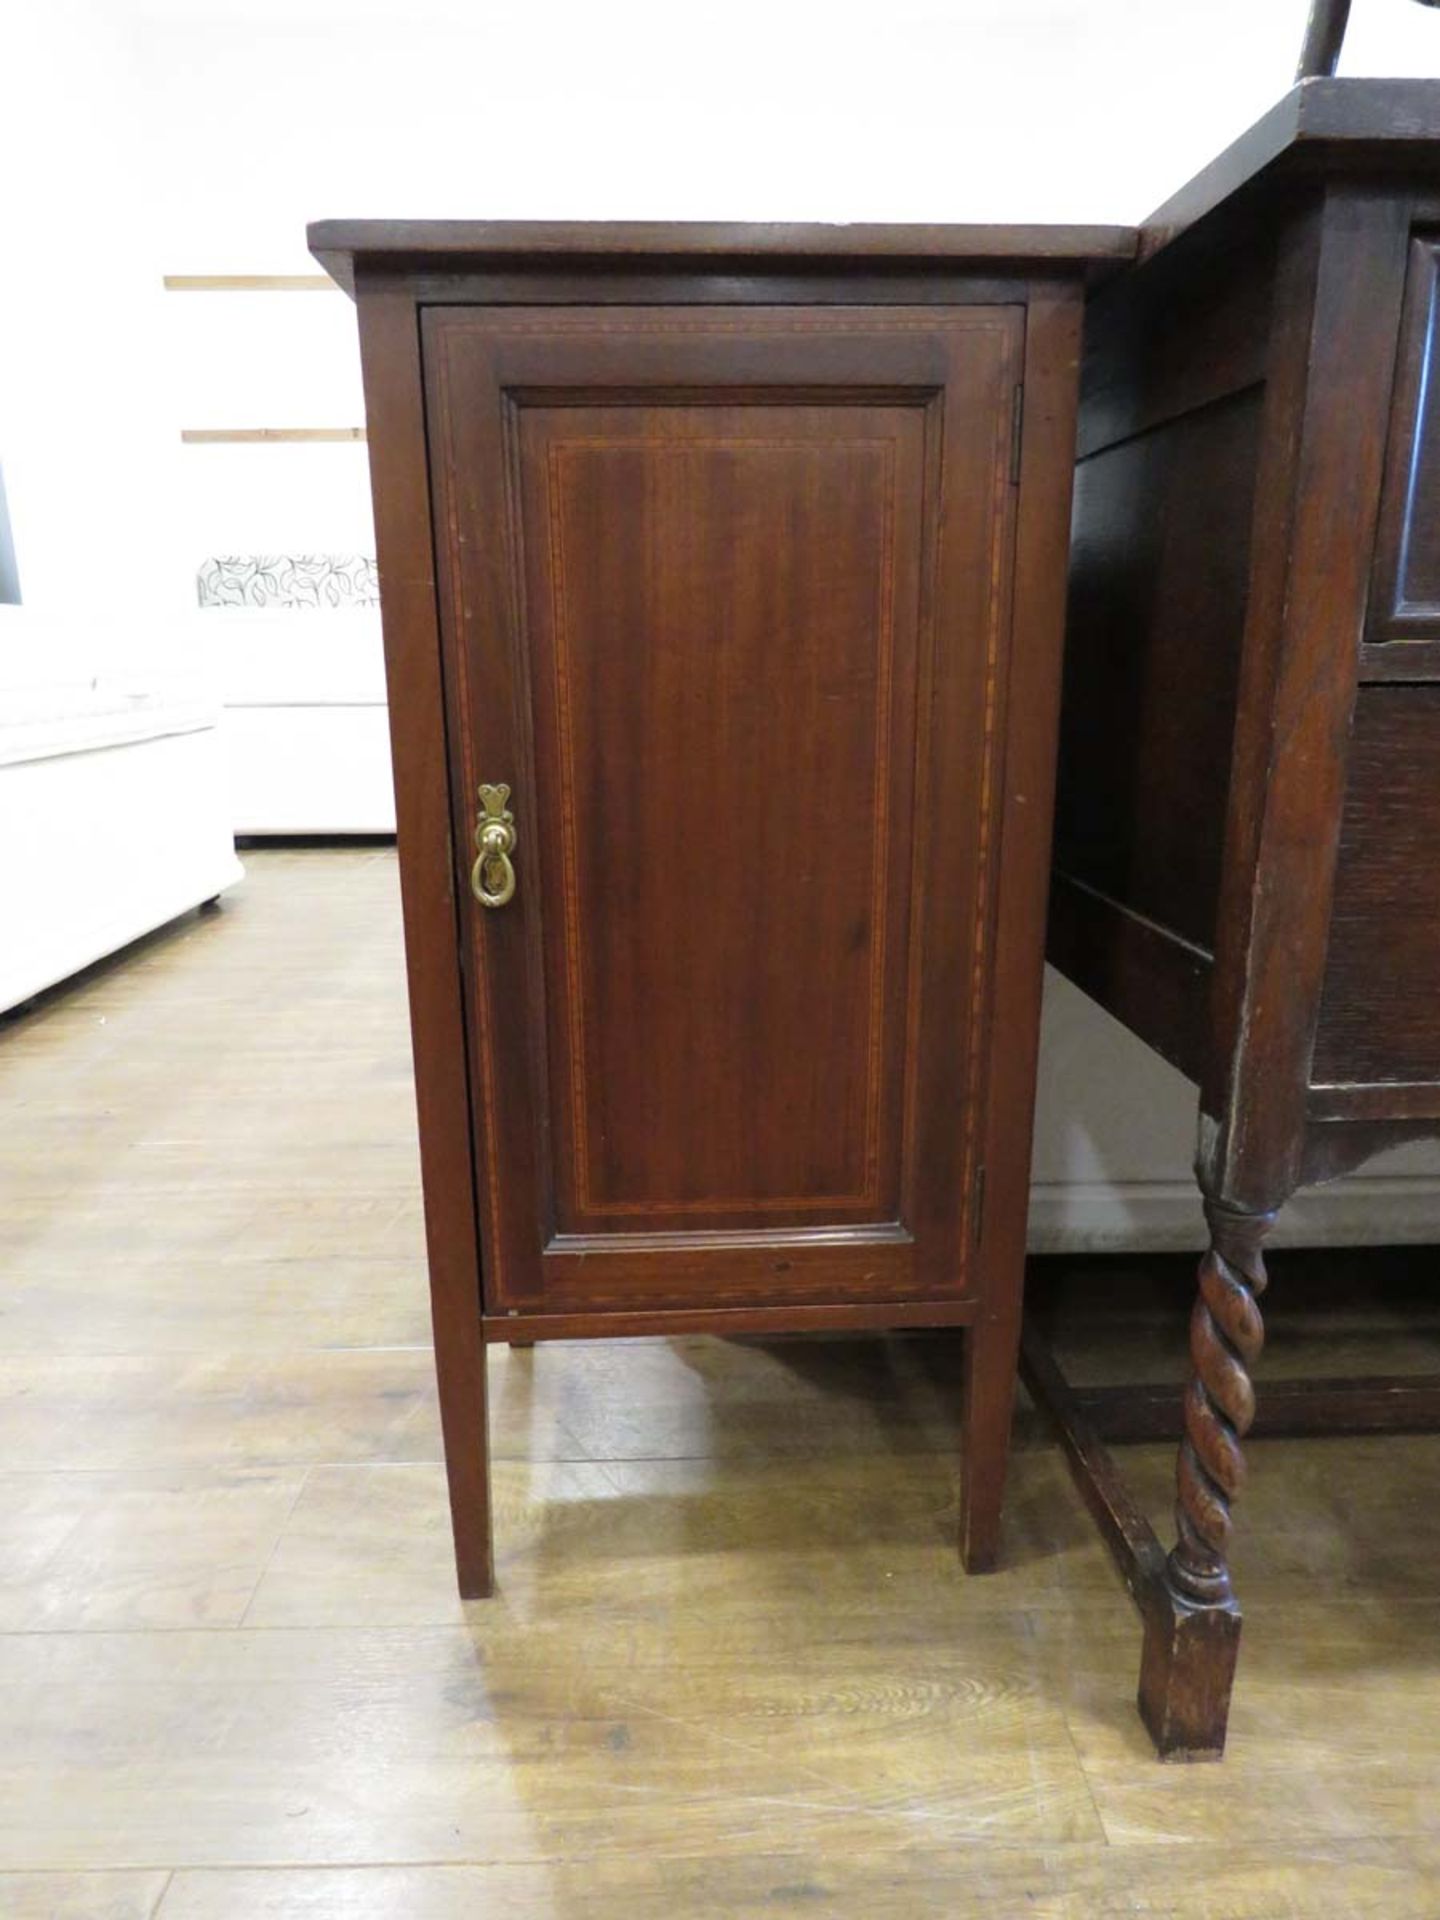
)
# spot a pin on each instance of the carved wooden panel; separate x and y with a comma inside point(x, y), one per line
point(1377, 1019)
point(725, 598)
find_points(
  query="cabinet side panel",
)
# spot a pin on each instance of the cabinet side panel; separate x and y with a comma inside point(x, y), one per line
point(390, 354)
point(1172, 401)
point(1159, 562)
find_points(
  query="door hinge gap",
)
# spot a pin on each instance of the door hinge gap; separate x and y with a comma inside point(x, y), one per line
point(1017, 420)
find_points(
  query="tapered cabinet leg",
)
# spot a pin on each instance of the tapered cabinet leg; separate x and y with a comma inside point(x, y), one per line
point(992, 1349)
point(464, 1416)
point(474, 1557)
point(1192, 1624)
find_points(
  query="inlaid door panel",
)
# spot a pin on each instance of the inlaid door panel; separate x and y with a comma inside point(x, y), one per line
point(724, 598)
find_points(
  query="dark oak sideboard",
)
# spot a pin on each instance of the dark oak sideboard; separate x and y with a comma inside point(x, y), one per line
point(722, 573)
point(1247, 851)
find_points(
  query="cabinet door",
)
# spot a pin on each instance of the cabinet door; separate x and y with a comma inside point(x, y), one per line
point(724, 596)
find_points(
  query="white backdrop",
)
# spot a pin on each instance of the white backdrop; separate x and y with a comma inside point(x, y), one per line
point(146, 137)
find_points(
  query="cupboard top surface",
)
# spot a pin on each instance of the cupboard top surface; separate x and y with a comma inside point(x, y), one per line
point(404, 245)
point(1322, 126)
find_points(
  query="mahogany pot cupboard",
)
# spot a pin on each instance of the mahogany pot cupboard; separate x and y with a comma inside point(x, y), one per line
point(723, 574)
point(1247, 856)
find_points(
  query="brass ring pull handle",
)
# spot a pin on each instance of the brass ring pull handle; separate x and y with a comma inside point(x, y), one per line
point(492, 878)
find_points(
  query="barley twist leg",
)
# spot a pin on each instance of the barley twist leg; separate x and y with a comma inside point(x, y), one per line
point(1226, 1335)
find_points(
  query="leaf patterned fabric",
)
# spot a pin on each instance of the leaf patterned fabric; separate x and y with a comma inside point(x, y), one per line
point(305, 580)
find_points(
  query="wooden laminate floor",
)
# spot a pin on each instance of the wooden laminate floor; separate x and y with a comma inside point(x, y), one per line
point(733, 1667)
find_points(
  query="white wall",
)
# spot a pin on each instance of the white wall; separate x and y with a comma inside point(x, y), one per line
point(199, 136)
point(758, 109)
point(265, 114)
point(139, 137)
point(90, 457)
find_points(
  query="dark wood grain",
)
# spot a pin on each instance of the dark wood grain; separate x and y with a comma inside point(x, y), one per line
point(1323, 128)
point(737, 612)
point(1371, 1103)
point(620, 1271)
point(1189, 1653)
point(1378, 1020)
point(745, 576)
point(1197, 893)
point(1159, 567)
point(1174, 368)
point(1290, 1409)
point(1023, 807)
point(524, 1329)
point(1147, 975)
point(1190, 332)
point(1403, 628)
point(726, 791)
point(1338, 316)
point(778, 282)
point(390, 355)
point(417, 245)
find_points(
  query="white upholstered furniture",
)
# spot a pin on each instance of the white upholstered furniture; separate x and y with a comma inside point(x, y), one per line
point(306, 733)
point(303, 675)
point(114, 816)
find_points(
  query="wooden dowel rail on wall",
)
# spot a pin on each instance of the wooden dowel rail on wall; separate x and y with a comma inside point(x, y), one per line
point(257, 283)
point(249, 283)
point(216, 436)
